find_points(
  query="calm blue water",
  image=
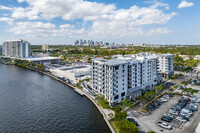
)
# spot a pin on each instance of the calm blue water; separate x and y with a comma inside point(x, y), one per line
point(33, 102)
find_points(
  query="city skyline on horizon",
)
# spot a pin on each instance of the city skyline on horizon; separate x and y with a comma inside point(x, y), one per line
point(129, 22)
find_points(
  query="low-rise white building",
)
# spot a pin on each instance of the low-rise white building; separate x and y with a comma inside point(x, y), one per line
point(42, 60)
point(72, 73)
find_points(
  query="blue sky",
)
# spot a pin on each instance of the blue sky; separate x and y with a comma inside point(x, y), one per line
point(120, 21)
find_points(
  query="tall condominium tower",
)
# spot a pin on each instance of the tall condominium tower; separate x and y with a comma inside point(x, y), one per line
point(16, 48)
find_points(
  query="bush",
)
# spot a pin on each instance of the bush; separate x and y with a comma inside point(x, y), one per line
point(176, 86)
point(87, 79)
point(125, 103)
point(117, 109)
point(150, 132)
point(179, 94)
point(103, 102)
point(120, 115)
point(126, 126)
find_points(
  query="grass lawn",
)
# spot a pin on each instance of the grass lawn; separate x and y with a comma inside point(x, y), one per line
point(112, 122)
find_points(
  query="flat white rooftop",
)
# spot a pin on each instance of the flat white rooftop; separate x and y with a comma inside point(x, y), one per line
point(40, 58)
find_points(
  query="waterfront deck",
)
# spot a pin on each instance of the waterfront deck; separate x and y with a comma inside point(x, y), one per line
point(80, 92)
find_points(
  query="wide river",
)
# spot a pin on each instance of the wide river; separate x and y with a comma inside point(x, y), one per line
point(33, 102)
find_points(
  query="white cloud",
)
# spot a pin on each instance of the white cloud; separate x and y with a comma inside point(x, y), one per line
point(67, 9)
point(185, 3)
point(99, 20)
point(37, 29)
point(32, 28)
point(6, 19)
point(64, 26)
point(157, 3)
point(19, 13)
point(5, 8)
point(111, 30)
point(20, 1)
point(92, 11)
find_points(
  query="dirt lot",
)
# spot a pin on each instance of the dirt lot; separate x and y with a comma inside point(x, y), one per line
point(149, 122)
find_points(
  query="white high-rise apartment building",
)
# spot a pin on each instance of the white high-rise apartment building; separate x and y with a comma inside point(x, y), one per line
point(166, 65)
point(16, 48)
point(109, 78)
point(142, 70)
point(124, 76)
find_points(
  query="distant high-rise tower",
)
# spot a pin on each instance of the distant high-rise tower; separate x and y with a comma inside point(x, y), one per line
point(0, 49)
point(16, 48)
point(45, 47)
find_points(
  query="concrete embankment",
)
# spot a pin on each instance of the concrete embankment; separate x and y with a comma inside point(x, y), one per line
point(81, 93)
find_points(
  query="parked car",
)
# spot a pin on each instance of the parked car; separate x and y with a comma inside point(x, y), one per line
point(184, 117)
point(164, 125)
point(193, 107)
point(132, 120)
point(170, 115)
point(163, 99)
point(181, 119)
point(166, 97)
point(167, 118)
point(173, 112)
point(186, 111)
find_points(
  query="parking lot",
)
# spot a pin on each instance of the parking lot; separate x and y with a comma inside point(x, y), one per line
point(149, 122)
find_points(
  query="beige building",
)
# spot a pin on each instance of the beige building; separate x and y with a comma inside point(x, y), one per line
point(45, 47)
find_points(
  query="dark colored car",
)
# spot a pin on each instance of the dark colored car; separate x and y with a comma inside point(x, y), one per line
point(185, 117)
point(132, 120)
point(167, 118)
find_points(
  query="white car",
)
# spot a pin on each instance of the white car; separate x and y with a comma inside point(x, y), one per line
point(166, 97)
point(163, 99)
point(186, 111)
point(186, 114)
point(164, 125)
point(181, 119)
point(173, 112)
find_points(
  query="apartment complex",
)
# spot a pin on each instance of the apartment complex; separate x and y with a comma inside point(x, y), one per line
point(124, 76)
point(16, 48)
point(127, 75)
point(166, 65)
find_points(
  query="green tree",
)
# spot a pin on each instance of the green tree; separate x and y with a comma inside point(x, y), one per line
point(111, 115)
point(126, 126)
point(150, 132)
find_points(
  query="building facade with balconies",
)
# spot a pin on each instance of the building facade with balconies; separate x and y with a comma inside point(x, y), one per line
point(124, 76)
point(109, 78)
point(166, 65)
point(16, 48)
